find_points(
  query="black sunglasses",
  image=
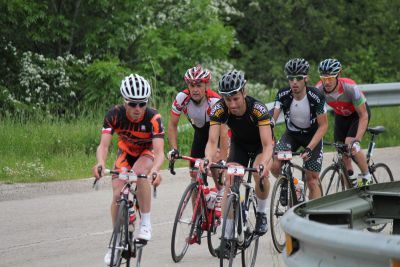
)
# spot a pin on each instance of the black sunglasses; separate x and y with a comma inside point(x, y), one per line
point(297, 77)
point(135, 104)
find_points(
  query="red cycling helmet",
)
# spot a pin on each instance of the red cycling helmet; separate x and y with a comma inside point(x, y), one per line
point(197, 75)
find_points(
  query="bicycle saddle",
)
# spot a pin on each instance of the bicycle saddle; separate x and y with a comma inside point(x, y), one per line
point(376, 129)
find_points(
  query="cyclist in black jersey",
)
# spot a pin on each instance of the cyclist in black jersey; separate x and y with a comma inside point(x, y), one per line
point(251, 129)
point(306, 123)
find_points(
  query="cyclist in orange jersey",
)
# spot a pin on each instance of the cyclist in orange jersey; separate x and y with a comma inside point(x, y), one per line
point(140, 147)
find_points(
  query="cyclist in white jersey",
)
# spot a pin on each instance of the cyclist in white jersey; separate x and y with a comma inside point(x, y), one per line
point(196, 102)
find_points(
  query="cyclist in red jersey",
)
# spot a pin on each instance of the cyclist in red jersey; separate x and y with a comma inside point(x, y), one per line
point(352, 114)
point(196, 102)
point(140, 147)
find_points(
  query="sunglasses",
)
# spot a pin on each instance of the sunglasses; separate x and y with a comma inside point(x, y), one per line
point(330, 78)
point(296, 77)
point(135, 104)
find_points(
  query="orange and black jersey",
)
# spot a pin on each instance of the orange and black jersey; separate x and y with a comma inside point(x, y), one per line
point(244, 128)
point(133, 137)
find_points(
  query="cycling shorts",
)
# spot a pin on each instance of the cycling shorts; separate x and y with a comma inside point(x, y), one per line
point(125, 160)
point(241, 154)
point(199, 143)
point(347, 126)
point(294, 141)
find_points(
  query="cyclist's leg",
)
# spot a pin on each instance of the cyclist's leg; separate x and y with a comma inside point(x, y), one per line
point(261, 226)
point(313, 168)
point(123, 164)
point(342, 126)
point(143, 165)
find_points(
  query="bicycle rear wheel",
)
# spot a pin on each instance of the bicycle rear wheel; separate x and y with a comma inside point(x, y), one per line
point(331, 181)
point(229, 246)
point(183, 224)
point(381, 173)
point(214, 233)
point(276, 211)
point(119, 239)
point(249, 255)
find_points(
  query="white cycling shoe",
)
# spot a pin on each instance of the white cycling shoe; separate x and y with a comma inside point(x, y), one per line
point(144, 232)
point(107, 258)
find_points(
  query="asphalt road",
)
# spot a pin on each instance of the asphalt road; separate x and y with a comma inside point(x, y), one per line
point(68, 223)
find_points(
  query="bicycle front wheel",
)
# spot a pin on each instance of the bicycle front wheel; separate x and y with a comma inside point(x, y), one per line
point(251, 239)
point(183, 224)
point(214, 232)
point(119, 239)
point(277, 210)
point(331, 181)
point(229, 246)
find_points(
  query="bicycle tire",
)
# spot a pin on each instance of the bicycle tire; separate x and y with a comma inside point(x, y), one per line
point(276, 211)
point(380, 173)
point(232, 205)
point(185, 205)
point(331, 181)
point(120, 236)
point(249, 255)
point(214, 233)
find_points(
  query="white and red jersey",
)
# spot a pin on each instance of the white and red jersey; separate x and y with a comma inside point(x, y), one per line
point(345, 98)
point(197, 114)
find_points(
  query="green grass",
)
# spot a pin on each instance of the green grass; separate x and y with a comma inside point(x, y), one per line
point(49, 150)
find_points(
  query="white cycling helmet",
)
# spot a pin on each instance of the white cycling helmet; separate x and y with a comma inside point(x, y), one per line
point(135, 88)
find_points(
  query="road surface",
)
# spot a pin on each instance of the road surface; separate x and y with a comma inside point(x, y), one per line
point(68, 224)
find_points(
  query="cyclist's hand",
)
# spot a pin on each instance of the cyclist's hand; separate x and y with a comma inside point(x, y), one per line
point(98, 170)
point(262, 171)
point(306, 155)
point(155, 178)
point(173, 154)
point(204, 164)
point(355, 147)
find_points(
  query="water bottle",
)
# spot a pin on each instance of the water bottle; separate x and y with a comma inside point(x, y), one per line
point(211, 198)
point(132, 218)
point(299, 186)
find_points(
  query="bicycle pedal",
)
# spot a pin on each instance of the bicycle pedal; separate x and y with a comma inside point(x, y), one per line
point(140, 243)
point(193, 240)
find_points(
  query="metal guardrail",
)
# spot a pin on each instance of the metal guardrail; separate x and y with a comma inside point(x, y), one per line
point(380, 94)
point(328, 231)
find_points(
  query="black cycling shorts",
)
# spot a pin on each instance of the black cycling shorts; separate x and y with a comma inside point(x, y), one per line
point(242, 154)
point(347, 126)
point(199, 143)
point(293, 141)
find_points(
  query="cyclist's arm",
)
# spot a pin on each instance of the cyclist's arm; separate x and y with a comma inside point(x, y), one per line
point(102, 153)
point(212, 143)
point(158, 149)
point(224, 142)
point(322, 120)
point(268, 146)
point(173, 131)
point(276, 113)
point(362, 122)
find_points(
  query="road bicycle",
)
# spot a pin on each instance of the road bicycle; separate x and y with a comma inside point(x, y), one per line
point(240, 210)
point(123, 244)
point(284, 195)
point(335, 177)
point(193, 216)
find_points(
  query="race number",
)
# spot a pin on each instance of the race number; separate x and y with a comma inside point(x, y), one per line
point(236, 170)
point(285, 155)
point(197, 163)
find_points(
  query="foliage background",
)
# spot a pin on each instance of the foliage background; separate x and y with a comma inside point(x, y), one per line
point(61, 62)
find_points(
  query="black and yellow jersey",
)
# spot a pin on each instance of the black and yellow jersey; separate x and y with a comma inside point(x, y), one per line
point(244, 128)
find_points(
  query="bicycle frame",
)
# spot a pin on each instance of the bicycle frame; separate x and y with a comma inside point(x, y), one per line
point(286, 171)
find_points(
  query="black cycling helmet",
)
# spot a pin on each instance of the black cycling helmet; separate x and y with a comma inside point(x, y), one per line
point(329, 66)
point(231, 83)
point(297, 66)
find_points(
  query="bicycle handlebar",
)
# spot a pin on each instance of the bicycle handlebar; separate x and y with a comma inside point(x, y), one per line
point(130, 177)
